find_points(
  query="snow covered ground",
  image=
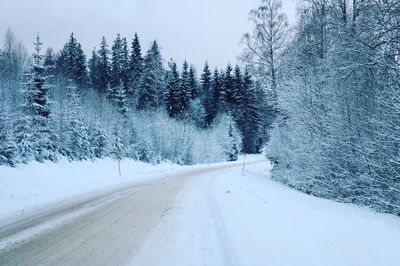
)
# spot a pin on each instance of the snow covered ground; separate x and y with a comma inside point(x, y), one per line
point(227, 219)
point(34, 185)
point(222, 218)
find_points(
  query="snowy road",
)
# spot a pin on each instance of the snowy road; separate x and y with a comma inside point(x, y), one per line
point(213, 216)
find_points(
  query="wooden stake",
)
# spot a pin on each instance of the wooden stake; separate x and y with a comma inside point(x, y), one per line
point(244, 162)
point(119, 167)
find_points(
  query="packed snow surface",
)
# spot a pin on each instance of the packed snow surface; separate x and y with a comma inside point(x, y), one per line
point(229, 219)
point(222, 218)
point(27, 187)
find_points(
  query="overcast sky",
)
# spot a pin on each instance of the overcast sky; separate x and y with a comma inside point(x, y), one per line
point(196, 30)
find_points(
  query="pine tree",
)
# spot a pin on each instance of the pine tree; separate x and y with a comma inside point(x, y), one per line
point(98, 141)
point(125, 78)
point(116, 52)
point(217, 95)
point(193, 84)
point(248, 117)
point(80, 73)
point(119, 62)
point(135, 67)
point(121, 102)
point(79, 141)
point(103, 66)
point(237, 86)
point(174, 101)
point(72, 62)
point(8, 149)
point(151, 93)
point(185, 90)
point(23, 138)
point(159, 72)
point(50, 63)
point(206, 95)
point(94, 70)
point(37, 107)
point(229, 87)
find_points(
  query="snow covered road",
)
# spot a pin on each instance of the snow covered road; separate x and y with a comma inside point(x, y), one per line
point(215, 216)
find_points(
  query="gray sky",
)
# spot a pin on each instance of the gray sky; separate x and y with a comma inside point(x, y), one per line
point(196, 30)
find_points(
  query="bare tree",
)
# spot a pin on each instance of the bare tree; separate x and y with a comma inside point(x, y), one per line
point(266, 41)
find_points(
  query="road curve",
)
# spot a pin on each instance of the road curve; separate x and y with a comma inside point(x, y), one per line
point(107, 235)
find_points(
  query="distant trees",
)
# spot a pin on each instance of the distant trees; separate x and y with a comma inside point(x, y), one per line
point(117, 104)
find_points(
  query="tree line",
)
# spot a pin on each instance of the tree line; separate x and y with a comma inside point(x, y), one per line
point(334, 80)
point(61, 104)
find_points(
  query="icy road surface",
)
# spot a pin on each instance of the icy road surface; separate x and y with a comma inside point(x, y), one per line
point(210, 216)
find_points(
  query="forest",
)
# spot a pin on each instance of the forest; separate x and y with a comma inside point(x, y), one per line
point(125, 105)
point(321, 98)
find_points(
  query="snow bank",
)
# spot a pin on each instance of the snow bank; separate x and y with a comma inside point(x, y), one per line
point(36, 184)
point(271, 224)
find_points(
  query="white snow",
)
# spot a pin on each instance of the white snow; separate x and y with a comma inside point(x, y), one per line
point(227, 219)
point(221, 219)
point(34, 185)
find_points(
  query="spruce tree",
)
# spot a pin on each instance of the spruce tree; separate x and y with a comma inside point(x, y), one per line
point(174, 101)
point(135, 67)
point(8, 149)
point(159, 72)
point(125, 65)
point(50, 63)
point(79, 146)
point(193, 84)
point(103, 66)
point(151, 93)
point(237, 86)
point(72, 62)
point(98, 141)
point(185, 90)
point(37, 108)
point(94, 70)
point(116, 62)
point(229, 87)
point(206, 95)
point(217, 95)
point(121, 102)
point(248, 117)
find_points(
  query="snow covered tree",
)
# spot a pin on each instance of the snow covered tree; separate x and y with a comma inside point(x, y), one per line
point(121, 102)
point(50, 64)
point(185, 87)
point(206, 95)
point(72, 62)
point(266, 42)
point(174, 99)
point(104, 68)
point(119, 63)
point(151, 94)
point(157, 67)
point(38, 109)
point(8, 149)
point(229, 88)
point(233, 152)
point(98, 141)
point(248, 115)
point(135, 67)
point(94, 70)
point(79, 146)
point(193, 83)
